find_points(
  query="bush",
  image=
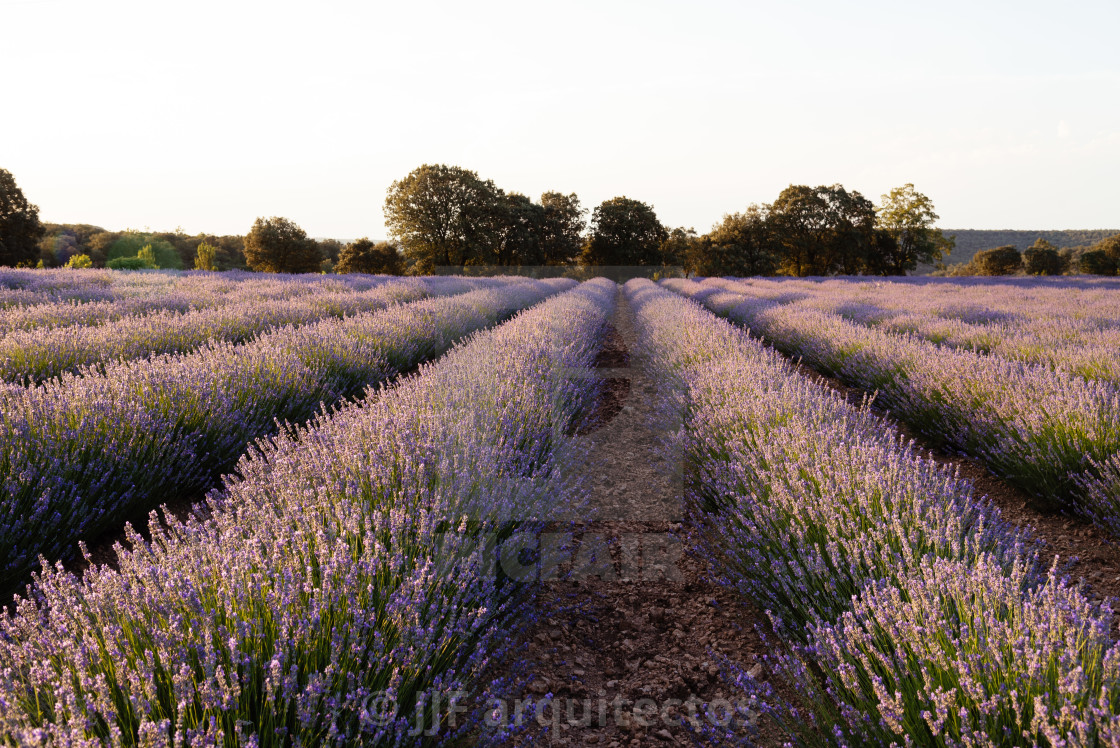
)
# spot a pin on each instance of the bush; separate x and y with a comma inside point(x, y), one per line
point(206, 258)
point(998, 261)
point(364, 256)
point(130, 263)
point(276, 245)
point(959, 654)
point(1097, 262)
point(148, 255)
point(1111, 247)
point(1043, 261)
point(78, 262)
point(132, 243)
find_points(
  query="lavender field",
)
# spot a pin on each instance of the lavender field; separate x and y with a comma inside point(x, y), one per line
point(297, 510)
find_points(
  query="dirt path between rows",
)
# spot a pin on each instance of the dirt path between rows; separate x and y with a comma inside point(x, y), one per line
point(653, 630)
point(628, 652)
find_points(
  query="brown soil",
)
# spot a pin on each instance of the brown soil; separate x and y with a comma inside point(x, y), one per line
point(650, 625)
point(1085, 552)
point(101, 548)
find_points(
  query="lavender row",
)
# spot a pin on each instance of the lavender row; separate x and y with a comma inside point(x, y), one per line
point(916, 616)
point(1067, 329)
point(815, 497)
point(51, 298)
point(37, 355)
point(1020, 301)
point(1045, 431)
point(339, 582)
point(79, 455)
point(131, 293)
point(119, 284)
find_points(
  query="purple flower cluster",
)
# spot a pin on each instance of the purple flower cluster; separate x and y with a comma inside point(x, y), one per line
point(82, 454)
point(815, 497)
point(1044, 430)
point(1076, 330)
point(958, 654)
point(129, 293)
point(915, 615)
point(339, 572)
point(38, 354)
point(51, 299)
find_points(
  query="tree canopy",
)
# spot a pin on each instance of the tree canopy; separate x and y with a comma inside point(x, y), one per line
point(365, 256)
point(1042, 258)
point(821, 230)
point(517, 227)
point(624, 232)
point(1097, 262)
point(442, 216)
point(447, 216)
point(277, 245)
point(741, 244)
point(206, 257)
point(908, 218)
point(160, 252)
point(20, 230)
point(562, 228)
point(999, 261)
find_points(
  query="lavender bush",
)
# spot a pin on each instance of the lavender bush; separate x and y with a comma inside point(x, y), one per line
point(1040, 429)
point(80, 454)
point(51, 299)
point(96, 296)
point(1064, 327)
point(913, 614)
point(803, 497)
point(35, 355)
point(956, 654)
point(336, 568)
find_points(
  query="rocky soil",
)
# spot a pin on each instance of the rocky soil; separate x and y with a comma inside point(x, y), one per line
point(630, 651)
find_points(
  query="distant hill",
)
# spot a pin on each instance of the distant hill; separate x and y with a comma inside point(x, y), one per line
point(971, 241)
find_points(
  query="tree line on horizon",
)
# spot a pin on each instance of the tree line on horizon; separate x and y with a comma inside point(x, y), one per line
point(1043, 258)
point(446, 218)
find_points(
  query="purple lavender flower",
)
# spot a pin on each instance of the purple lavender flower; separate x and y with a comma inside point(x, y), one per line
point(340, 569)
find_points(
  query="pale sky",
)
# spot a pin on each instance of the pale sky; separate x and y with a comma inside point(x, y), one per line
point(208, 114)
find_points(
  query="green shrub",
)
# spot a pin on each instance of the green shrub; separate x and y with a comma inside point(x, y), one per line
point(130, 263)
point(1097, 262)
point(998, 261)
point(1043, 261)
point(206, 258)
point(131, 243)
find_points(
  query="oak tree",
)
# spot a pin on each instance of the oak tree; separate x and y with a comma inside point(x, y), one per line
point(1042, 258)
point(908, 217)
point(277, 245)
point(562, 228)
point(676, 250)
point(365, 256)
point(821, 230)
point(624, 232)
point(20, 230)
point(740, 245)
point(518, 225)
point(999, 261)
point(1097, 262)
point(442, 215)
